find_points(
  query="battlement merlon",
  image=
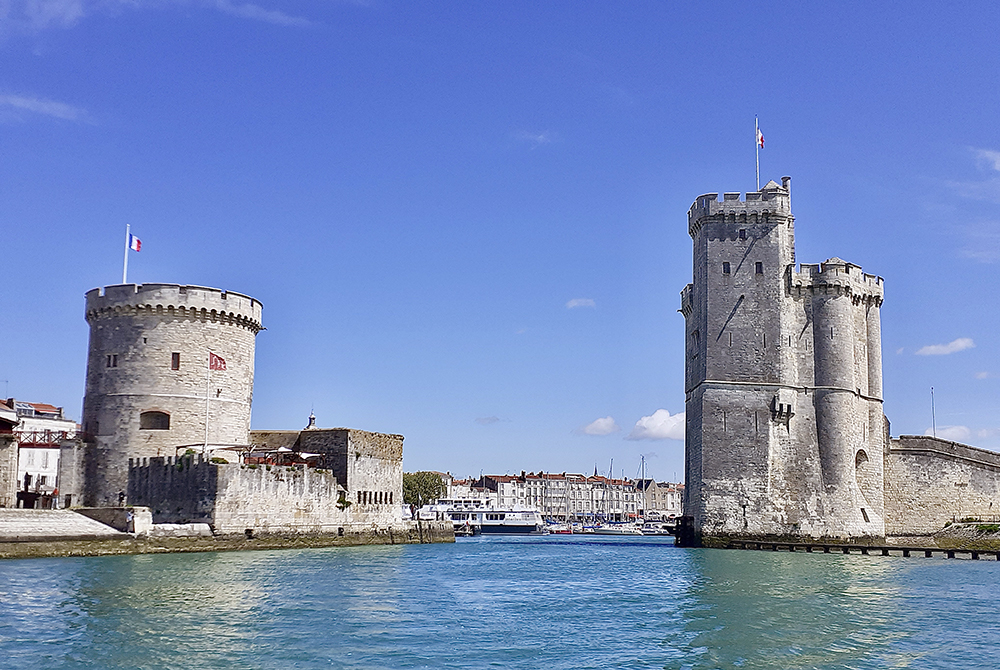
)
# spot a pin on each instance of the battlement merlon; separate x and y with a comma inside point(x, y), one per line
point(170, 298)
point(772, 201)
point(837, 275)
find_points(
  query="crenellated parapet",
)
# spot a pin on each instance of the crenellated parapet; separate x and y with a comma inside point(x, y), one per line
point(771, 203)
point(837, 277)
point(194, 303)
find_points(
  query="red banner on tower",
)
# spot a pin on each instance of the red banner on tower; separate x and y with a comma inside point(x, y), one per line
point(216, 362)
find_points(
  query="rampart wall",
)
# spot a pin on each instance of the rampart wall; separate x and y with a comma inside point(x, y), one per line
point(930, 482)
point(233, 498)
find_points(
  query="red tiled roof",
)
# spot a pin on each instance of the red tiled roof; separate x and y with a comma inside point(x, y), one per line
point(44, 408)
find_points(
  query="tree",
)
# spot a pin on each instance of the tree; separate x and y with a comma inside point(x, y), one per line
point(420, 488)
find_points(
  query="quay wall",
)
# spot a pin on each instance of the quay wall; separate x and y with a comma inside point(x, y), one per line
point(931, 482)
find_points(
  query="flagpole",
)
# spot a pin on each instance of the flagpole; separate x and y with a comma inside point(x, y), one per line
point(208, 390)
point(756, 143)
point(128, 233)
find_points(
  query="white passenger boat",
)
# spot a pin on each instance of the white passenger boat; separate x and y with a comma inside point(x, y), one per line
point(618, 529)
point(471, 517)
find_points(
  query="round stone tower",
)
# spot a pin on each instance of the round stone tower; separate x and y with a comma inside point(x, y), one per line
point(169, 368)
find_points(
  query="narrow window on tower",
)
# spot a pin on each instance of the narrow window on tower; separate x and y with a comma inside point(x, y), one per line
point(112, 361)
point(743, 233)
point(725, 268)
point(759, 268)
point(175, 360)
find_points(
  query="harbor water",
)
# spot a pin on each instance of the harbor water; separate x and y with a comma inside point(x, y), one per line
point(500, 602)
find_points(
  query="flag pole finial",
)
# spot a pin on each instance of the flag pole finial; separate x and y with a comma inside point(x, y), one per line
point(128, 237)
point(758, 141)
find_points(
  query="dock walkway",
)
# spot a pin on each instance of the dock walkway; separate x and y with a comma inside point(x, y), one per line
point(52, 525)
point(884, 550)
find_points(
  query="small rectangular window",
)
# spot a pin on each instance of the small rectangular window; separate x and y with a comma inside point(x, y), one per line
point(175, 361)
point(759, 268)
point(112, 361)
point(725, 268)
point(743, 233)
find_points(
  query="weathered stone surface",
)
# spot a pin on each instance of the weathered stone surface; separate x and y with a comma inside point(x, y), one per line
point(21, 525)
point(784, 426)
point(8, 470)
point(135, 333)
point(931, 482)
point(410, 532)
point(235, 498)
point(133, 519)
point(785, 435)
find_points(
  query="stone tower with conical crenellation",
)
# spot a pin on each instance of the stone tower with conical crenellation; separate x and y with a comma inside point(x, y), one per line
point(785, 434)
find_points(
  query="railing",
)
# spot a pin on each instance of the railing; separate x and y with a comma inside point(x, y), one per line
point(43, 438)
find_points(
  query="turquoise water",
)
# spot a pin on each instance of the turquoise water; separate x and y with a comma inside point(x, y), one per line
point(545, 602)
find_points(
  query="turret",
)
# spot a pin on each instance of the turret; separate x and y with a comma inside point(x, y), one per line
point(169, 368)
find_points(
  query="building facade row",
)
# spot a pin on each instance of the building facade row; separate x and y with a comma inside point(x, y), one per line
point(571, 497)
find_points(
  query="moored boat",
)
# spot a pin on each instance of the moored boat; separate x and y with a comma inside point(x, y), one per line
point(472, 518)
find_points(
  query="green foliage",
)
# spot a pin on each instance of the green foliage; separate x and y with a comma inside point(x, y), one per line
point(343, 503)
point(217, 460)
point(420, 488)
point(190, 452)
point(984, 528)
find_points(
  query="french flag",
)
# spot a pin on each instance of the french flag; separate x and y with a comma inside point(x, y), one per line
point(134, 243)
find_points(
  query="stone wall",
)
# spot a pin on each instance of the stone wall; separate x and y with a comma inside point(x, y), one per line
point(8, 470)
point(368, 466)
point(148, 352)
point(72, 460)
point(930, 482)
point(235, 498)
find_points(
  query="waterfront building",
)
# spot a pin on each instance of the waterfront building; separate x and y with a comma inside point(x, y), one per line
point(40, 433)
point(663, 499)
point(558, 496)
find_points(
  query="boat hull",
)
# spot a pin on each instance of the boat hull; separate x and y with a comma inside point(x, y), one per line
point(509, 530)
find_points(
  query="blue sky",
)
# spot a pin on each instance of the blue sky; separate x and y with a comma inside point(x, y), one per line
point(467, 221)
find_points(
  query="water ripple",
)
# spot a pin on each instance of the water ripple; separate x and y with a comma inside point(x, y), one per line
point(499, 602)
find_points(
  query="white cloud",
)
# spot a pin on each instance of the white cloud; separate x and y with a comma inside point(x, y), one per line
point(36, 15)
point(660, 425)
point(487, 420)
point(984, 189)
point(534, 138)
point(58, 110)
point(604, 426)
point(989, 158)
point(961, 344)
point(580, 302)
point(900, 350)
point(258, 13)
point(953, 433)
point(983, 375)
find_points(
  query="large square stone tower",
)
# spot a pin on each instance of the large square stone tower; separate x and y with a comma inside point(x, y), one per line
point(785, 434)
